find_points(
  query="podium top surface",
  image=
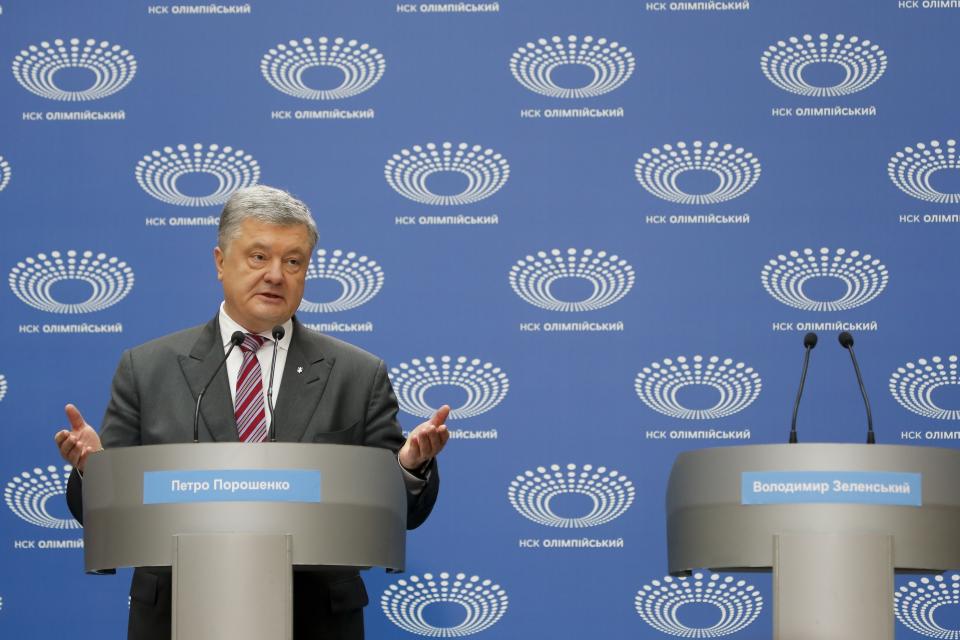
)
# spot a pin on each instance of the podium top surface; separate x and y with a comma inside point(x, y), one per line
point(342, 505)
point(712, 523)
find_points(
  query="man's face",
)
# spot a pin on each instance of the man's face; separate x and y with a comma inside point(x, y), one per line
point(263, 270)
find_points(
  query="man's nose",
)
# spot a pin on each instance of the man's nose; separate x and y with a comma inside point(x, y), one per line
point(274, 272)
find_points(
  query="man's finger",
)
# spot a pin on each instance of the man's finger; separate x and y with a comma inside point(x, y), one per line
point(60, 436)
point(440, 415)
point(73, 415)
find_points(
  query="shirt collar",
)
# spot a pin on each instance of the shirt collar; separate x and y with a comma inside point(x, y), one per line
point(228, 325)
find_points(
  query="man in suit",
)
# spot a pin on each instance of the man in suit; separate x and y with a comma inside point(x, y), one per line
point(328, 392)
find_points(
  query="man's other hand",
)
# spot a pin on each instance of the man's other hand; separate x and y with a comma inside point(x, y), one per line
point(77, 442)
point(426, 441)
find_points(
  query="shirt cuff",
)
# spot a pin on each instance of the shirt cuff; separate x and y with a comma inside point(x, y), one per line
point(413, 482)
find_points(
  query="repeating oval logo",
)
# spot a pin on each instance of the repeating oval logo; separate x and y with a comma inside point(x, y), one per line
point(5, 172)
point(533, 277)
point(29, 493)
point(485, 384)
point(112, 67)
point(3, 387)
point(912, 169)
point(916, 604)
point(658, 385)
point(360, 277)
point(914, 384)
point(610, 492)
point(158, 172)
point(785, 277)
point(484, 603)
point(284, 66)
point(659, 602)
point(534, 64)
point(485, 169)
point(862, 61)
point(110, 280)
point(736, 169)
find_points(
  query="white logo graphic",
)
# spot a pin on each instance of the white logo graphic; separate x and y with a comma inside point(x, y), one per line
point(916, 604)
point(27, 496)
point(658, 169)
point(36, 67)
point(110, 280)
point(913, 384)
point(3, 387)
point(784, 278)
point(658, 384)
point(485, 169)
point(404, 602)
point(862, 61)
point(485, 384)
point(534, 63)
point(158, 172)
point(739, 604)
point(611, 277)
point(360, 277)
point(4, 173)
point(284, 65)
point(912, 168)
point(610, 491)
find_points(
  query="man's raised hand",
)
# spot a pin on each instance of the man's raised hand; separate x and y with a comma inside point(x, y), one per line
point(77, 442)
point(426, 441)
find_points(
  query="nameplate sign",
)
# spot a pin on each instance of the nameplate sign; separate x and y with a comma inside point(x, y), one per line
point(848, 487)
point(233, 485)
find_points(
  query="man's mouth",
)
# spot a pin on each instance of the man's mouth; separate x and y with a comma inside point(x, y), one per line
point(270, 296)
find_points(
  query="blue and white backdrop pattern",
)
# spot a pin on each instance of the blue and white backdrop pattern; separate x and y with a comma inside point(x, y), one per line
point(597, 229)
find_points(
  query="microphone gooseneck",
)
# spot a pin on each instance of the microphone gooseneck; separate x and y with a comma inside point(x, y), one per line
point(846, 341)
point(236, 339)
point(277, 334)
point(809, 342)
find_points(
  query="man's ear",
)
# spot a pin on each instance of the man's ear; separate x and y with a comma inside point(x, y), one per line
point(218, 261)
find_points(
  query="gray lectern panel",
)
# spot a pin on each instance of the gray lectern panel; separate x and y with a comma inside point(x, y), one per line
point(358, 519)
point(707, 526)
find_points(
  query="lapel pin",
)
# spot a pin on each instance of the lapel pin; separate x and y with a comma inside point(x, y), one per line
point(299, 369)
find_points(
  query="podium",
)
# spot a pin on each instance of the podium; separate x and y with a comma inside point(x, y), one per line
point(233, 521)
point(833, 521)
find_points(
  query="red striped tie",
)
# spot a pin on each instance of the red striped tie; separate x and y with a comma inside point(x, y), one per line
point(248, 406)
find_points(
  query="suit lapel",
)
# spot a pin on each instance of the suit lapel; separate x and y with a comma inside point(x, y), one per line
point(305, 376)
point(217, 410)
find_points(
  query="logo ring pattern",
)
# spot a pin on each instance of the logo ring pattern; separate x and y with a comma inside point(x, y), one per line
point(863, 62)
point(784, 278)
point(911, 169)
point(532, 278)
point(739, 604)
point(913, 385)
point(110, 279)
point(485, 384)
point(658, 169)
point(28, 493)
point(916, 604)
point(158, 172)
point(483, 601)
point(4, 173)
point(486, 171)
point(284, 65)
point(658, 385)
point(360, 277)
point(113, 68)
point(611, 494)
point(534, 63)
point(3, 387)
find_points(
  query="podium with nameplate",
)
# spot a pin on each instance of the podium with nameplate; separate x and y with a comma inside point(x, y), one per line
point(833, 521)
point(235, 520)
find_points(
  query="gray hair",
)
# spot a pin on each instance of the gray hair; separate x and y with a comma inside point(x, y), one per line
point(265, 204)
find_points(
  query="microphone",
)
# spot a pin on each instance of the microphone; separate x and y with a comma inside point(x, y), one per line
point(235, 341)
point(277, 334)
point(809, 342)
point(846, 341)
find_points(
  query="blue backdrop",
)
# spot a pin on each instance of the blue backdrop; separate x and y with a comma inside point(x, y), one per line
point(599, 230)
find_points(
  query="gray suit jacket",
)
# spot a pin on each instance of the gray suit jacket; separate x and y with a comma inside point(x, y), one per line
point(331, 392)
